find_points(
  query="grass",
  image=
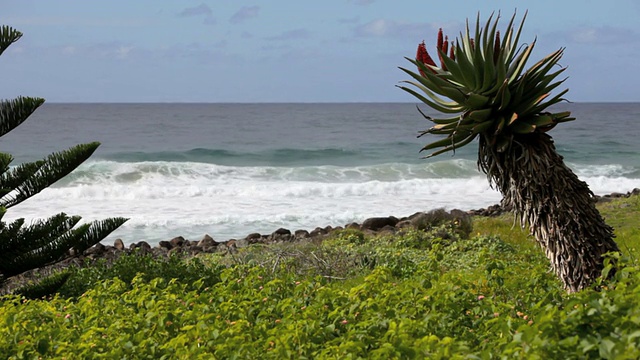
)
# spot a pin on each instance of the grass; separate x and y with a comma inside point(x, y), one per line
point(622, 214)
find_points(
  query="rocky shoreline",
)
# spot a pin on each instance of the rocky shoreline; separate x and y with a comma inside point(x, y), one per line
point(376, 225)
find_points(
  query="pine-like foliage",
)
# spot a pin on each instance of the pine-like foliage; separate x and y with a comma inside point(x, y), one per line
point(25, 247)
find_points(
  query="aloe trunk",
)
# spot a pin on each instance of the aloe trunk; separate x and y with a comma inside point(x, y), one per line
point(559, 208)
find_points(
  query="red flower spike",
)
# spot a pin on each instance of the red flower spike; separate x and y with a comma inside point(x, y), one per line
point(496, 48)
point(472, 43)
point(423, 56)
point(452, 54)
point(443, 50)
point(439, 44)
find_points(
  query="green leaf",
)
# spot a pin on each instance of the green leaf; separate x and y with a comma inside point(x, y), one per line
point(51, 169)
point(8, 36)
point(15, 112)
point(432, 104)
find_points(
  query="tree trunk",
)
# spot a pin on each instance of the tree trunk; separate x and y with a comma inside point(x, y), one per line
point(559, 208)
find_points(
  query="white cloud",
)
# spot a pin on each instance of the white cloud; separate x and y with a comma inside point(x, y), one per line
point(69, 50)
point(123, 52)
point(362, 2)
point(382, 27)
point(378, 27)
point(292, 34)
point(202, 9)
point(601, 35)
point(244, 14)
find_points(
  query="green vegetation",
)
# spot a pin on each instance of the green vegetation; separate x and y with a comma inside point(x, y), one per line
point(484, 86)
point(27, 247)
point(412, 295)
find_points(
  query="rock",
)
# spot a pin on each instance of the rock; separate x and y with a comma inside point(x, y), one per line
point(192, 250)
point(418, 220)
point(353, 225)
point(280, 235)
point(404, 224)
point(165, 245)
point(96, 250)
point(282, 231)
point(317, 232)
point(159, 251)
point(387, 230)
point(118, 244)
point(144, 245)
point(635, 191)
point(459, 214)
point(240, 243)
point(254, 238)
point(377, 223)
point(493, 210)
point(301, 234)
point(207, 241)
point(177, 241)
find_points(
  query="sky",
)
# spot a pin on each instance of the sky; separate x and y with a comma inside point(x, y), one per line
point(290, 50)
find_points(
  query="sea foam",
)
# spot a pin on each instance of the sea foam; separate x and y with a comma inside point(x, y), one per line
point(166, 199)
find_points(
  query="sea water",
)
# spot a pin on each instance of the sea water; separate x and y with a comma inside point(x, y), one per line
point(228, 170)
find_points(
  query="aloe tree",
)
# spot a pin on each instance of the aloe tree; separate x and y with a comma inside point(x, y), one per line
point(483, 86)
point(25, 247)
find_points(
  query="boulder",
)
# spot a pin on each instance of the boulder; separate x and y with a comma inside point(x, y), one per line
point(353, 225)
point(207, 241)
point(177, 241)
point(165, 245)
point(281, 234)
point(301, 234)
point(403, 224)
point(118, 244)
point(192, 250)
point(377, 223)
point(254, 238)
point(387, 230)
point(317, 232)
point(96, 250)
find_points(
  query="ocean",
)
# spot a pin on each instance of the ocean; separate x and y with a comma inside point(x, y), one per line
point(228, 170)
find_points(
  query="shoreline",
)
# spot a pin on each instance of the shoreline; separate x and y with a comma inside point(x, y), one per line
point(373, 226)
point(180, 246)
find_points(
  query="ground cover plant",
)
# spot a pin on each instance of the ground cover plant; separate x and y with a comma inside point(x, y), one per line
point(410, 295)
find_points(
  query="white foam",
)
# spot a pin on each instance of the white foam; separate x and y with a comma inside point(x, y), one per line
point(189, 199)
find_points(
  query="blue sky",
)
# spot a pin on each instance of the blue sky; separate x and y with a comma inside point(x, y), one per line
point(286, 50)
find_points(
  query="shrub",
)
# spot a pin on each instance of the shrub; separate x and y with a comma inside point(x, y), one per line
point(128, 266)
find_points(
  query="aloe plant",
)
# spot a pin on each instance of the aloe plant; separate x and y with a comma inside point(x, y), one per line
point(484, 87)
